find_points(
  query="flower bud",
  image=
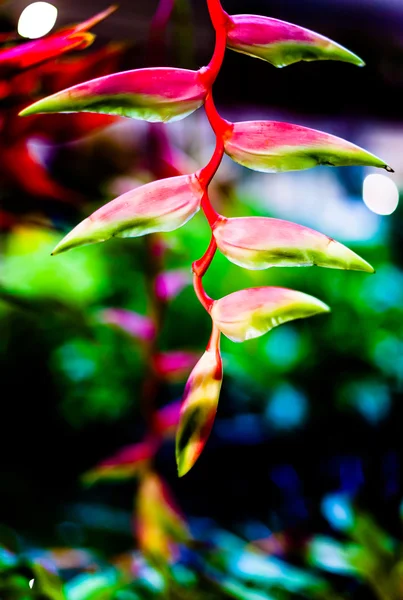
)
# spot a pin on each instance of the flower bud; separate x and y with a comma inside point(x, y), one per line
point(198, 410)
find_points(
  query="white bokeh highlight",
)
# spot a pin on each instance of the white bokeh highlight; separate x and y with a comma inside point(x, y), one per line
point(37, 19)
point(380, 194)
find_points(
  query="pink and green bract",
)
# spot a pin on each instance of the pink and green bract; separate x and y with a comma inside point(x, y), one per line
point(251, 313)
point(274, 147)
point(162, 205)
point(281, 43)
point(259, 243)
point(154, 95)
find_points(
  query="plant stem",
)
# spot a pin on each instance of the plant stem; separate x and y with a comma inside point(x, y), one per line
point(200, 266)
point(203, 298)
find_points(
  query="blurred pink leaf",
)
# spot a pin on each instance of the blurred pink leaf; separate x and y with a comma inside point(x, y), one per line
point(175, 365)
point(199, 408)
point(128, 462)
point(169, 284)
point(258, 243)
point(157, 95)
point(281, 43)
point(134, 324)
point(272, 146)
point(251, 313)
point(162, 205)
point(167, 419)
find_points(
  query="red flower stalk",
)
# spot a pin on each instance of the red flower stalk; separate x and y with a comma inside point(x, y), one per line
point(166, 94)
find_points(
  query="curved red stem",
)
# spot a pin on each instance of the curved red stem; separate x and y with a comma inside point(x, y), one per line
point(200, 266)
point(220, 126)
point(203, 298)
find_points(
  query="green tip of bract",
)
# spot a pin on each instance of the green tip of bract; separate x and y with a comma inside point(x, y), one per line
point(356, 60)
point(79, 236)
point(183, 465)
point(341, 257)
point(42, 106)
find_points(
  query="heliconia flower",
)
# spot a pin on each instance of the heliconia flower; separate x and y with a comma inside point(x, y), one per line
point(251, 313)
point(134, 324)
point(127, 463)
point(273, 146)
point(281, 43)
point(198, 410)
point(259, 242)
point(162, 205)
point(159, 525)
point(174, 365)
point(159, 94)
point(30, 54)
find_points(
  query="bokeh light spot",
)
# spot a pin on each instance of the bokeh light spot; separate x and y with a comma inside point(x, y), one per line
point(380, 194)
point(287, 409)
point(37, 19)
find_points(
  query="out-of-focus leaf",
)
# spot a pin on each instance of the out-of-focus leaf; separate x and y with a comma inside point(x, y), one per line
point(21, 170)
point(199, 409)
point(167, 419)
point(281, 43)
point(250, 313)
point(175, 365)
point(137, 326)
point(160, 94)
point(30, 54)
point(159, 524)
point(47, 583)
point(127, 463)
point(258, 243)
point(273, 146)
point(162, 205)
point(94, 586)
point(170, 283)
point(333, 556)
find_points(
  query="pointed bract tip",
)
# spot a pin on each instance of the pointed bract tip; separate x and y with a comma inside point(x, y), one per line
point(322, 307)
point(25, 111)
point(389, 169)
point(183, 465)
